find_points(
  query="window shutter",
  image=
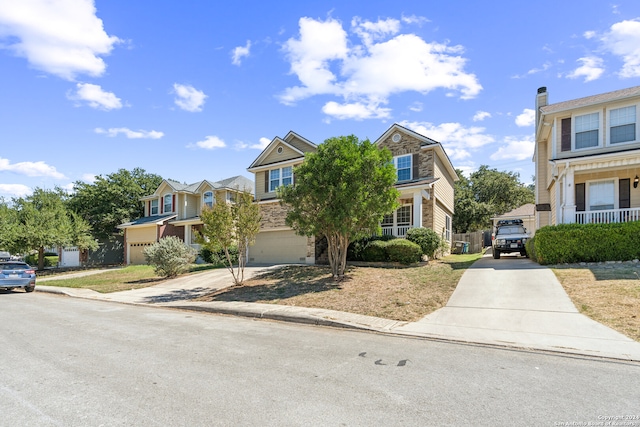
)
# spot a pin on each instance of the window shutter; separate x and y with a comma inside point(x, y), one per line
point(266, 181)
point(416, 165)
point(162, 204)
point(580, 205)
point(624, 187)
point(173, 204)
point(565, 132)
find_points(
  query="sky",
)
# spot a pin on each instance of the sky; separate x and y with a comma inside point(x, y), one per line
point(194, 90)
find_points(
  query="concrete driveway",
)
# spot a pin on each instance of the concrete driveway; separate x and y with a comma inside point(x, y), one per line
point(516, 302)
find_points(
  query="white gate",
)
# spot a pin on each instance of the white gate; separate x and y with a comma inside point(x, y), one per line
point(70, 257)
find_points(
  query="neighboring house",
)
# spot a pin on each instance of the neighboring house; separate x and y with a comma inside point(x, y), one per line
point(425, 182)
point(527, 213)
point(587, 155)
point(277, 243)
point(174, 210)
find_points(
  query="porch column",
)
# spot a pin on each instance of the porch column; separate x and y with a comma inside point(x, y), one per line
point(417, 208)
point(187, 234)
point(569, 195)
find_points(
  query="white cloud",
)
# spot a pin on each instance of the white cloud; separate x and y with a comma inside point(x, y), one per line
point(589, 34)
point(416, 106)
point(240, 52)
point(64, 38)
point(131, 134)
point(515, 149)
point(14, 190)
point(88, 177)
point(623, 40)
point(532, 71)
point(481, 115)
point(365, 75)
point(591, 69)
point(413, 19)
point(527, 118)
point(189, 98)
point(30, 169)
point(95, 97)
point(262, 144)
point(458, 141)
point(210, 142)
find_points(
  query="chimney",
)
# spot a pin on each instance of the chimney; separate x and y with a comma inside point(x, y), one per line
point(542, 100)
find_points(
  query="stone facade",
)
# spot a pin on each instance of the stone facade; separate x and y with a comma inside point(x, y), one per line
point(272, 216)
point(411, 145)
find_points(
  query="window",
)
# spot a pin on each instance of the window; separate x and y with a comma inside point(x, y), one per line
point(622, 122)
point(447, 228)
point(403, 215)
point(278, 177)
point(403, 166)
point(587, 129)
point(387, 220)
point(154, 207)
point(168, 203)
point(208, 199)
point(231, 196)
point(602, 195)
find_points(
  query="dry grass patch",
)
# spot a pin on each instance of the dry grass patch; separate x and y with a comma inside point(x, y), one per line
point(609, 294)
point(406, 294)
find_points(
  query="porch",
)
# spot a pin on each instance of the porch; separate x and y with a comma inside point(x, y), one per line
point(608, 216)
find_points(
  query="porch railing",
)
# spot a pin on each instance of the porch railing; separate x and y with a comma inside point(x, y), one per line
point(398, 230)
point(607, 216)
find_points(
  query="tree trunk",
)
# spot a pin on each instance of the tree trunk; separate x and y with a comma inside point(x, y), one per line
point(41, 258)
point(337, 248)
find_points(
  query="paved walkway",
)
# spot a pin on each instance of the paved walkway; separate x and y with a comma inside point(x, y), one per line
point(509, 302)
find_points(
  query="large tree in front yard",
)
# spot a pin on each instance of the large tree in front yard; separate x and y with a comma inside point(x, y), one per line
point(342, 191)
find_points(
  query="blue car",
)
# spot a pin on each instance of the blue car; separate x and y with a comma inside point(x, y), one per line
point(16, 274)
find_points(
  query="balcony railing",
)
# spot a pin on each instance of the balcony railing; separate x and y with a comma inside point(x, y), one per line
point(397, 230)
point(607, 216)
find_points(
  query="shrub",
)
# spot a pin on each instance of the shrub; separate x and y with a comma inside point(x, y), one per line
point(170, 256)
point(375, 251)
point(218, 257)
point(403, 251)
point(50, 259)
point(429, 241)
point(531, 249)
point(355, 251)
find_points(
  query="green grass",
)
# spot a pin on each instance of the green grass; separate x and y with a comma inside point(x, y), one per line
point(122, 279)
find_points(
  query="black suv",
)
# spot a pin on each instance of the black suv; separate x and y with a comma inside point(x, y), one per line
point(510, 236)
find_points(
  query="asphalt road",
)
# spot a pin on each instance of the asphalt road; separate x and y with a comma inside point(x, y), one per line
point(75, 362)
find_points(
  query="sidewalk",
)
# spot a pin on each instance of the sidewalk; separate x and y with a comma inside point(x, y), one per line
point(510, 302)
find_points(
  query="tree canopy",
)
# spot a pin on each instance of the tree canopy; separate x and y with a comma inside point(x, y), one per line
point(42, 220)
point(113, 199)
point(485, 194)
point(341, 192)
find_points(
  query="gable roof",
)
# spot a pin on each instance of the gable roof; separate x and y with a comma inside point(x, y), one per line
point(291, 135)
point(238, 182)
point(528, 209)
point(602, 98)
point(148, 220)
point(425, 142)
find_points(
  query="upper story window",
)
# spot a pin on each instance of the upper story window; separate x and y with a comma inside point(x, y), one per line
point(279, 177)
point(153, 207)
point(208, 199)
point(622, 125)
point(168, 203)
point(587, 130)
point(403, 167)
point(231, 196)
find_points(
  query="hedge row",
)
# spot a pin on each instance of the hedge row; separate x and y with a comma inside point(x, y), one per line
point(571, 243)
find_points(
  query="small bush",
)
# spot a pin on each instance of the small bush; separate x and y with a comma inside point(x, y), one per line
point(218, 257)
point(531, 249)
point(50, 259)
point(170, 256)
point(403, 251)
point(429, 241)
point(375, 251)
point(355, 251)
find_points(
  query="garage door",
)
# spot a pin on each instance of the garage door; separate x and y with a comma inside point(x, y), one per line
point(135, 253)
point(278, 247)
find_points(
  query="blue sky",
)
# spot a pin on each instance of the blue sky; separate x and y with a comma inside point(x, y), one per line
point(192, 90)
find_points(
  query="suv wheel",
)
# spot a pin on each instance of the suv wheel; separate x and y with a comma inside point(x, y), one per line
point(496, 254)
point(29, 288)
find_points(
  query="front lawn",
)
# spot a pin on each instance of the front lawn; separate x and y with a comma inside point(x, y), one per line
point(406, 294)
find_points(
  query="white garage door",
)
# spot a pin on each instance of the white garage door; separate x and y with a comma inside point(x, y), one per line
point(278, 247)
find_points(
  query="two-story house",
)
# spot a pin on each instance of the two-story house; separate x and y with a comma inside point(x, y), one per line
point(425, 181)
point(174, 210)
point(587, 157)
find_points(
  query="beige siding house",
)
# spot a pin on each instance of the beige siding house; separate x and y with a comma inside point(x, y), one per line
point(587, 156)
point(425, 181)
point(174, 210)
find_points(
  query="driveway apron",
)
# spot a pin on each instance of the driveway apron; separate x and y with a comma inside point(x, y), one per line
point(515, 302)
